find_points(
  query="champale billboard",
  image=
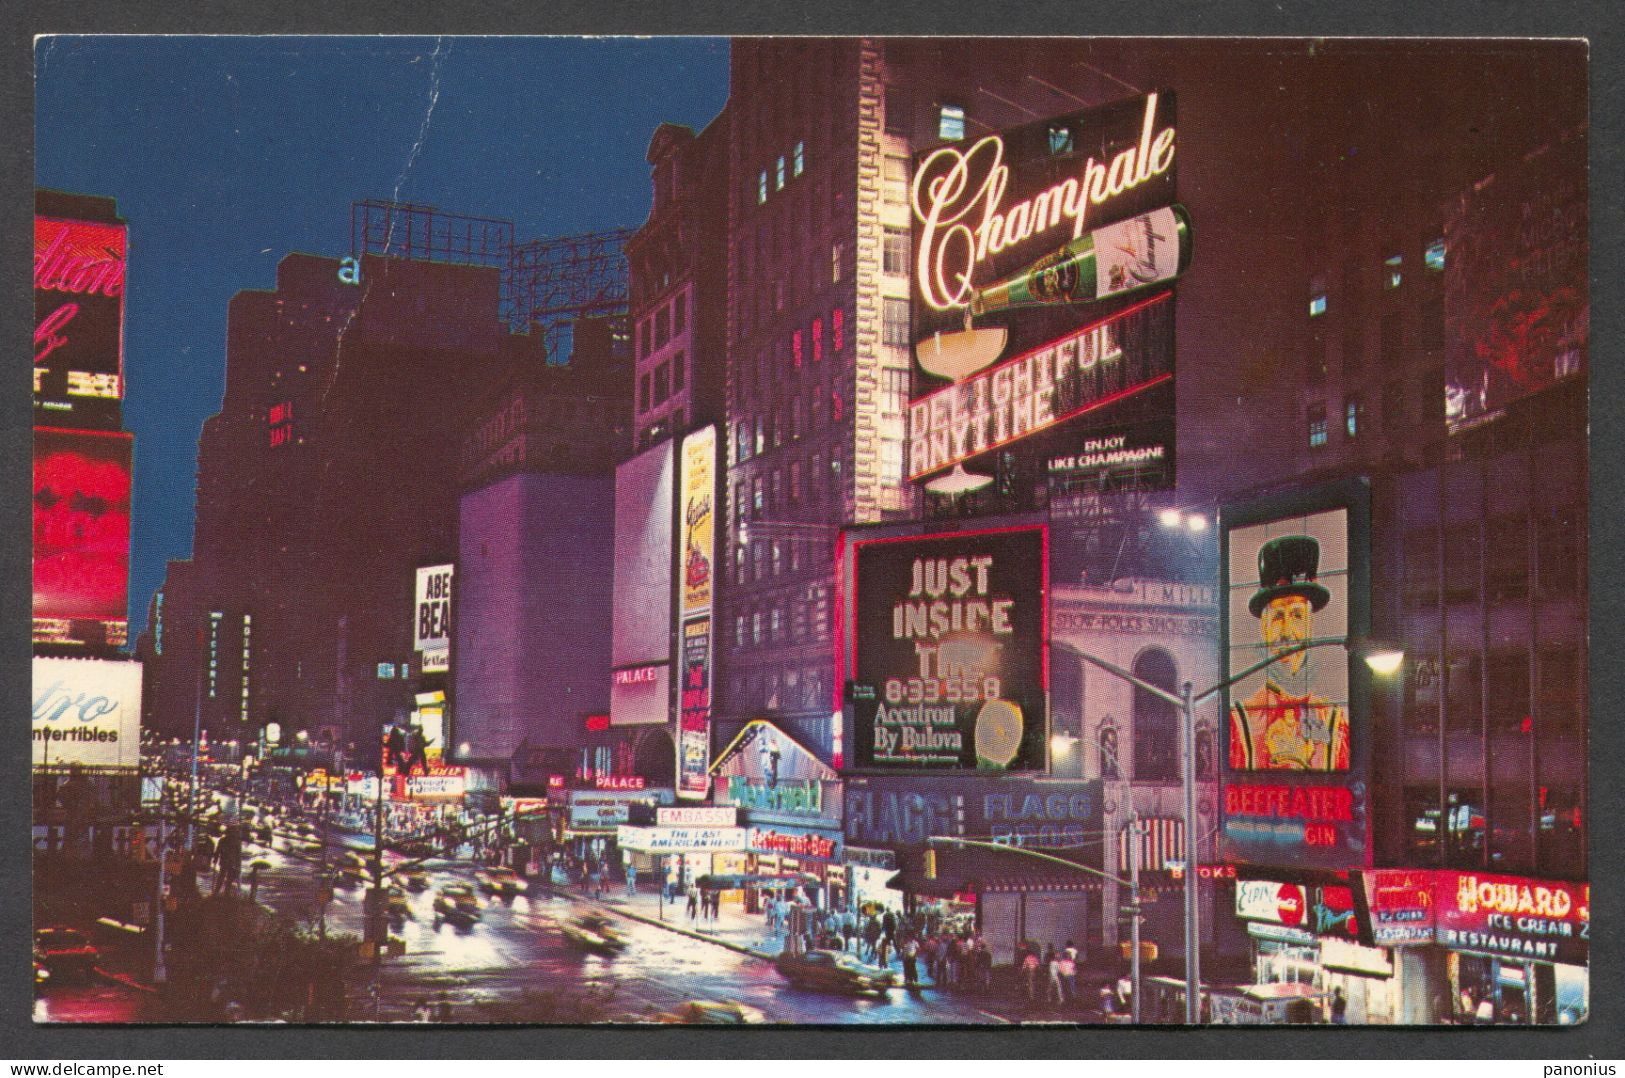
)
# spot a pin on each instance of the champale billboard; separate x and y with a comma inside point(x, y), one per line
point(1044, 263)
point(87, 712)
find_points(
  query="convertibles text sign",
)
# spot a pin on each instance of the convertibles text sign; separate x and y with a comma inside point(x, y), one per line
point(950, 667)
point(87, 712)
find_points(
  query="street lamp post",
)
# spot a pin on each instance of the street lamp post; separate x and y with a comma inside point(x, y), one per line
point(1382, 659)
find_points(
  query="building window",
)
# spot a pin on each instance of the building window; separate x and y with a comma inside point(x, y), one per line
point(643, 392)
point(742, 444)
point(1433, 256)
point(778, 567)
point(1353, 412)
point(761, 188)
point(1156, 721)
point(679, 313)
point(798, 159)
point(756, 498)
point(1393, 407)
point(894, 321)
point(1393, 271)
point(1317, 296)
point(894, 181)
point(1317, 426)
point(756, 628)
point(679, 375)
point(894, 252)
point(662, 326)
point(835, 263)
point(1060, 139)
point(662, 384)
point(795, 481)
point(896, 111)
point(951, 123)
point(779, 174)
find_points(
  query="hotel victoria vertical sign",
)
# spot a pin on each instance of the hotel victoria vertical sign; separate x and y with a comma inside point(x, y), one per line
point(1044, 263)
point(950, 651)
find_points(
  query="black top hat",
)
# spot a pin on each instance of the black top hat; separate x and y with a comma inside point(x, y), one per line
point(1287, 565)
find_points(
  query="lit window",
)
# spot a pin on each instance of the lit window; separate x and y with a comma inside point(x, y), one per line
point(1060, 139)
point(761, 188)
point(1353, 410)
point(798, 159)
point(1433, 257)
point(835, 263)
point(894, 177)
point(1317, 426)
point(1392, 268)
point(894, 322)
point(894, 252)
point(1317, 305)
point(779, 186)
point(951, 123)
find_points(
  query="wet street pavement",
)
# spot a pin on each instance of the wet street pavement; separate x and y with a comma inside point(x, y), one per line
point(484, 971)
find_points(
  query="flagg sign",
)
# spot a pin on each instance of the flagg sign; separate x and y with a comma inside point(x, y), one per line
point(950, 651)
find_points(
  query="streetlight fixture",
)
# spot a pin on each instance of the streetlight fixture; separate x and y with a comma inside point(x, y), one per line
point(1381, 658)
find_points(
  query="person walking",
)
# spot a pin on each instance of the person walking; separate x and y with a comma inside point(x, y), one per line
point(1029, 971)
point(1053, 992)
point(229, 860)
point(1340, 1008)
point(883, 951)
point(631, 877)
point(982, 955)
point(911, 962)
point(693, 904)
point(871, 936)
point(1069, 972)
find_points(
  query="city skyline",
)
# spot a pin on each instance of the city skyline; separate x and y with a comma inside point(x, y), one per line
point(1167, 460)
point(245, 150)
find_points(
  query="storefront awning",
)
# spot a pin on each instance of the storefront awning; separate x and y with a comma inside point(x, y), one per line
point(739, 881)
point(962, 871)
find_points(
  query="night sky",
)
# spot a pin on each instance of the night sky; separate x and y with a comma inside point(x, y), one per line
point(225, 154)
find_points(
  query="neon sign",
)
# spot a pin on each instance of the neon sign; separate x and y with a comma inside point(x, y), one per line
point(957, 199)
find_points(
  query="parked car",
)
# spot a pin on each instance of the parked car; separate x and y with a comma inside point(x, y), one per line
point(835, 971)
point(65, 952)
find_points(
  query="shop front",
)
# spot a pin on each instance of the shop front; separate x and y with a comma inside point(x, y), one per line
point(789, 804)
point(1004, 895)
point(1518, 948)
point(1309, 937)
point(594, 815)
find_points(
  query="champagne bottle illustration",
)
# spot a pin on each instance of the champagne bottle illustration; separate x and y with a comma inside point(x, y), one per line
point(1141, 252)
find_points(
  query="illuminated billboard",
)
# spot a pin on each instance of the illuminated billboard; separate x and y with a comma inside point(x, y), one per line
point(1081, 373)
point(698, 523)
point(1293, 571)
point(697, 506)
point(81, 536)
point(1044, 259)
point(1517, 304)
point(87, 712)
point(79, 274)
point(431, 618)
point(641, 625)
point(950, 651)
